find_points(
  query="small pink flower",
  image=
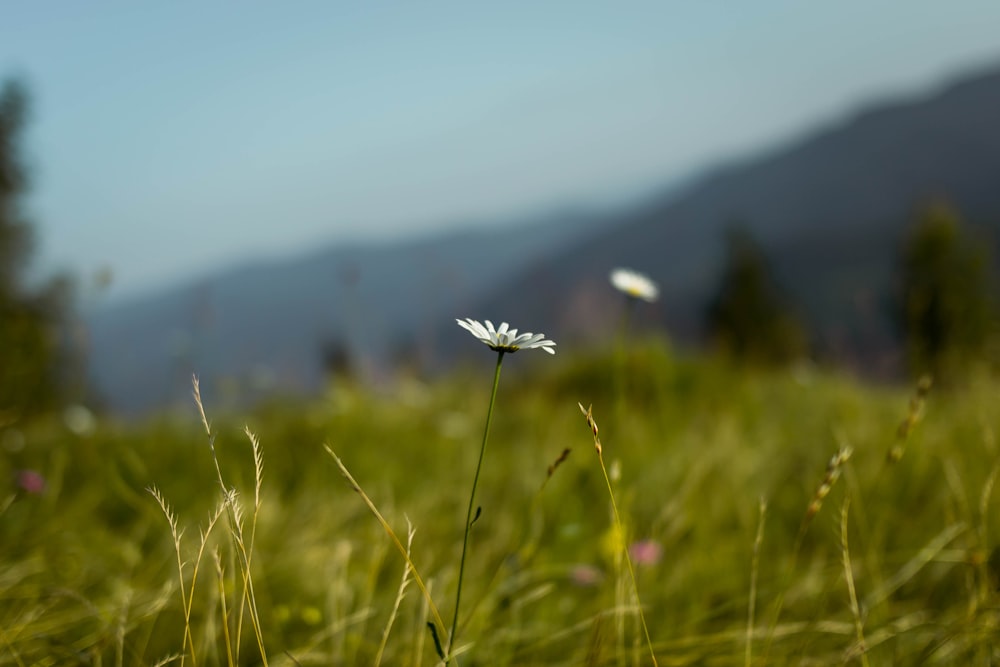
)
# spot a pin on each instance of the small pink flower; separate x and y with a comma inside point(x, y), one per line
point(586, 575)
point(31, 481)
point(646, 552)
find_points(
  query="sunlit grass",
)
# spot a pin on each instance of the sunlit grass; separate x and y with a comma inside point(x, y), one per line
point(90, 565)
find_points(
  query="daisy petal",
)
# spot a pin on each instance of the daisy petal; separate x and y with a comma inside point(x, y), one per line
point(506, 339)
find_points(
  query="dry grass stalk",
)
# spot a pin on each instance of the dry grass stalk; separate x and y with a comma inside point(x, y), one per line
point(912, 567)
point(913, 417)
point(404, 552)
point(589, 415)
point(187, 596)
point(833, 469)
point(400, 594)
point(176, 535)
point(830, 477)
point(221, 578)
point(244, 552)
point(860, 648)
point(258, 460)
point(754, 569)
point(558, 462)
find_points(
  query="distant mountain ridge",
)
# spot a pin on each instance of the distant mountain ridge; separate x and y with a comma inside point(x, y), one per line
point(829, 209)
point(264, 325)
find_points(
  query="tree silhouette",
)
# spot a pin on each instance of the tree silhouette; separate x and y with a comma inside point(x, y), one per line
point(945, 310)
point(15, 233)
point(748, 318)
point(29, 345)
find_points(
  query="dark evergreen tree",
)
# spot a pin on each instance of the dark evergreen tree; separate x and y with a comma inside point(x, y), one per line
point(748, 318)
point(29, 345)
point(945, 310)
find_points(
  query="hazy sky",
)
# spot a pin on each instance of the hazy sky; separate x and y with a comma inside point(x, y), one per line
point(170, 138)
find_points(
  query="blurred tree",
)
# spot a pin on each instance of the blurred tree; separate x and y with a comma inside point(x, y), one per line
point(336, 359)
point(945, 309)
point(15, 234)
point(29, 341)
point(748, 318)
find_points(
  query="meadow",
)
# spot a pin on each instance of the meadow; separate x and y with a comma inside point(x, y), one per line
point(783, 517)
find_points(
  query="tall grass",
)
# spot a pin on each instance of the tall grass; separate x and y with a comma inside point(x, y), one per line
point(242, 551)
point(294, 565)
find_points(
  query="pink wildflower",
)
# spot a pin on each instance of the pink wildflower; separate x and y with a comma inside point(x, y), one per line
point(646, 552)
point(31, 481)
point(586, 575)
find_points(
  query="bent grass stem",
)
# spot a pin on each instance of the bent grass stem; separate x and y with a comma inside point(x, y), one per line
point(403, 551)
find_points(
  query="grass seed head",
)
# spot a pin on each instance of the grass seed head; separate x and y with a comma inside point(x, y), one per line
point(588, 413)
point(913, 416)
point(558, 462)
point(833, 468)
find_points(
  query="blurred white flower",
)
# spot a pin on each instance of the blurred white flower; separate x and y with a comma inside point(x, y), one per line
point(79, 420)
point(505, 339)
point(635, 284)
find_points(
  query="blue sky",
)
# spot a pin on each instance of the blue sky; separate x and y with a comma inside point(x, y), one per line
point(172, 139)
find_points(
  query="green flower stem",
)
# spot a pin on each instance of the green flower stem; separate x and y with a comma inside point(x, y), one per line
point(472, 503)
point(621, 360)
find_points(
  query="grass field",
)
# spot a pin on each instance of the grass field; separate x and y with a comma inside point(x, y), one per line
point(714, 471)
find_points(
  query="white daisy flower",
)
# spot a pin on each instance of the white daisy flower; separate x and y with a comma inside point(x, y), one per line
point(635, 284)
point(505, 339)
